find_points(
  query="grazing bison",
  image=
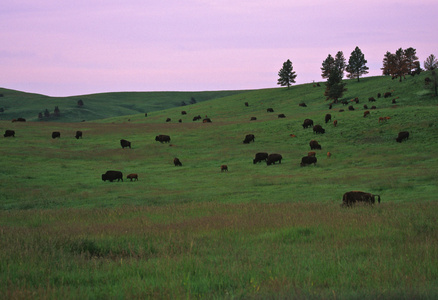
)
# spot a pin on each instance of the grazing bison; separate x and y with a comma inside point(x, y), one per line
point(132, 177)
point(335, 123)
point(403, 135)
point(318, 129)
point(329, 155)
point(393, 101)
point(19, 120)
point(270, 110)
point(379, 95)
point(168, 119)
point(307, 123)
point(253, 119)
point(246, 104)
point(162, 138)
point(125, 143)
point(273, 158)
point(260, 156)
point(352, 197)
point(196, 118)
point(328, 117)
point(314, 145)
point(371, 99)
point(373, 107)
point(184, 112)
point(281, 116)
point(9, 133)
point(249, 138)
point(387, 94)
point(78, 134)
point(112, 175)
point(56, 134)
point(366, 113)
point(351, 107)
point(224, 168)
point(180, 121)
point(311, 153)
point(177, 162)
point(365, 106)
point(206, 120)
point(302, 104)
point(384, 119)
point(308, 160)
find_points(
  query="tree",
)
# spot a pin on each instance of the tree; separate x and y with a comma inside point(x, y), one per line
point(56, 112)
point(356, 64)
point(388, 64)
point(40, 115)
point(192, 101)
point(46, 113)
point(335, 88)
point(286, 74)
point(411, 59)
point(431, 63)
point(400, 64)
point(340, 63)
point(327, 65)
point(183, 103)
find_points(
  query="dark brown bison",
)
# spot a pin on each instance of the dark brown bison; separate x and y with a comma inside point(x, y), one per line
point(351, 107)
point(402, 135)
point(308, 160)
point(9, 133)
point(261, 156)
point(196, 118)
point(387, 94)
point(366, 113)
point(125, 143)
point(177, 162)
point(246, 104)
point(78, 134)
point(184, 112)
point(365, 106)
point(206, 120)
point(314, 145)
point(318, 129)
point(273, 158)
point(379, 95)
point(328, 117)
point(162, 138)
point(352, 197)
point(253, 119)
point(281, 116)
point(307, 123)
point(302, 104)
point(180, 121)
point(132, 177)
point(249, 138)
point(224, 168)
point(373, 107)
point(112, 175)
point(19, 120)
point(168, 119)
point(270, 110)
point(56, 134)
point(371, 99)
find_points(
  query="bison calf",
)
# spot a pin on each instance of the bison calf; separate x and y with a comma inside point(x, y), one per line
point(224, 168)
point(132, 177)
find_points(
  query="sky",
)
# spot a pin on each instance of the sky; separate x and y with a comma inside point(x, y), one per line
point(66, 48)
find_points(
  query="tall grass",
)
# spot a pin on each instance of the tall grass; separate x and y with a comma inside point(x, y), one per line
point(256, 231)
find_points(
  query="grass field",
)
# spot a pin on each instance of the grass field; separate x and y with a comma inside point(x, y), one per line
point(256, 231)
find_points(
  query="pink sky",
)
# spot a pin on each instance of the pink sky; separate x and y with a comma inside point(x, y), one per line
point(65, 48)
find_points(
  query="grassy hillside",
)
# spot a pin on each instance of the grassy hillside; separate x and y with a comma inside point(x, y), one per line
point(256, 231)
point(18, 104)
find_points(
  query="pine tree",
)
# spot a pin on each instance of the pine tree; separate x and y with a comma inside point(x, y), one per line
point(286, 74)
point(340, 64)
point(327, 65)
point(46, 113)
point(411, 59)
point(335, 88)
point(56, 112)
point(431, 63)
point(356, 64)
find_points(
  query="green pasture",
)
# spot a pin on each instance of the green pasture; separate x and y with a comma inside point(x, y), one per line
point(256, 231)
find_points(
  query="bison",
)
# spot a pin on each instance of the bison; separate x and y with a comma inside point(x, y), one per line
point(302, 104)
point(78, 134)
point(270, 110)
point(132, 177)
point(112, 175)
point(246, 104)
point(260, 156)
point(387, 94)
point(366, 113)
point(168, 119)
point(162, 138)
point(224, 168)
point(335, 123)
point(352, 197)
point(318, 129)
point(351, 107)
point(307, 123)
point(9, 133)
point(56, 134)
point(253, 119)
point(196, 118)
point(281, 116)
point(371, 99)
point(206, 120)
point(403, 135)
point(249, 138)
point(177, 162)
point(184, 112)
point(308, 160)
point(125, 143)
point(328, 117)
point(273, 158)
point(314, 145)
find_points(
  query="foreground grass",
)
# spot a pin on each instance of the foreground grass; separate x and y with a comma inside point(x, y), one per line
point(214, 250)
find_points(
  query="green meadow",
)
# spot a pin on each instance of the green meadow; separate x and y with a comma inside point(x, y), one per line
point(256, 231)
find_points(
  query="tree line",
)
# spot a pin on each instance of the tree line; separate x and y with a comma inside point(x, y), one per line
point(399, 64)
